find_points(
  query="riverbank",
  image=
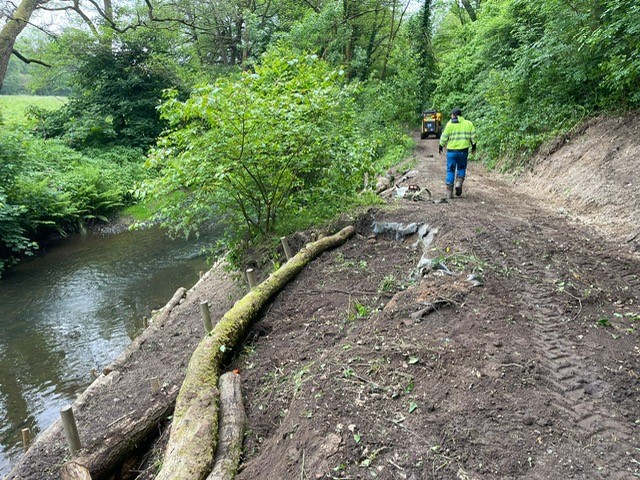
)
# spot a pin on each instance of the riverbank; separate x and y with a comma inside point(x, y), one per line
point(126, 389)
point(506, 348)
point(68, 312)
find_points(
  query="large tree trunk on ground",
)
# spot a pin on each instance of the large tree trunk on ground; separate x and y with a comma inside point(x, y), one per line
point(123, 437)
point(231, 431)
point(192, 442)
point(14, 26)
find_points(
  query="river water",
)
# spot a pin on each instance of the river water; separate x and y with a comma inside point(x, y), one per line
point(73, 310)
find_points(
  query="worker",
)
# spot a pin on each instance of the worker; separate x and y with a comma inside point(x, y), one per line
point(458, 136)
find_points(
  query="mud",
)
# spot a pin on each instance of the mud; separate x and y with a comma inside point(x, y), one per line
point(361, 371)
point(505, 346)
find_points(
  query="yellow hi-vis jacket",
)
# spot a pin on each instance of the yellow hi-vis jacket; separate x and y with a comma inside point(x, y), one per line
point(458, 135)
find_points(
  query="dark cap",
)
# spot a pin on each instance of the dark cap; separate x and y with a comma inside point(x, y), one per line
point(456, 112)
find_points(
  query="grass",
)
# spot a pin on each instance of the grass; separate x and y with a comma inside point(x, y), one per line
point(13, 108)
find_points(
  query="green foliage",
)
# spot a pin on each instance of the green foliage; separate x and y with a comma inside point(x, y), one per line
point(524, 72)
point(117, 85)
point(16, 79)
point(46, 187)
point(267, 152)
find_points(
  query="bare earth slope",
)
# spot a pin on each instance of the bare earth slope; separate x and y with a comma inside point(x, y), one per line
point(593, 175)
point(533, 375)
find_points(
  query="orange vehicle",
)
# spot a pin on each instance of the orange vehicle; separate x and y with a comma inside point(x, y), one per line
point(431, 124)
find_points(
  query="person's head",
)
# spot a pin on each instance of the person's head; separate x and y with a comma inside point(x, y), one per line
point(456, 112)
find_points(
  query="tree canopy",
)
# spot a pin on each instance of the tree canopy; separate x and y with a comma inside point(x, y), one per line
point(272, 113)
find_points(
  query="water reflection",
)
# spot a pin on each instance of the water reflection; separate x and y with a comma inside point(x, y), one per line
point(74, 309)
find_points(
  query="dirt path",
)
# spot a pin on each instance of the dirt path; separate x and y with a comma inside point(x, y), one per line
point(533, 374)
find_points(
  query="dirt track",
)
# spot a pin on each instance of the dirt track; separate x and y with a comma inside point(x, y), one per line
point(533, 375)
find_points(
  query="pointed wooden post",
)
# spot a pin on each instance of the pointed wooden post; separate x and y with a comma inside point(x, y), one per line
point(287, 249)
point(26, 439)
point(251, 278)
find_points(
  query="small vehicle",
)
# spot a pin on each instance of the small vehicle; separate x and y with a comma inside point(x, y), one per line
point(431, 124)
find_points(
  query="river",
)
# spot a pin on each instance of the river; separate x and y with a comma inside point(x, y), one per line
point(73, 310)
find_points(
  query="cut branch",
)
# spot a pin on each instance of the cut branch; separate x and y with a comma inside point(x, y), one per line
point(230, 433)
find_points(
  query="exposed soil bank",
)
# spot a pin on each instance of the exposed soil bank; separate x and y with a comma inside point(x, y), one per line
point(592, 175)
point(361, 369)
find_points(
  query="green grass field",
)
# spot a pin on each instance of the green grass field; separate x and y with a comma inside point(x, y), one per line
point(13, 108)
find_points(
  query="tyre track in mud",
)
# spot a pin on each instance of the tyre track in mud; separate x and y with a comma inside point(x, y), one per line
point(574, 383)
point(547, 262)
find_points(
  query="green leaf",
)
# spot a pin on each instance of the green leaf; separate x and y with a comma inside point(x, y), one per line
point(412, 407)
point(605, 322)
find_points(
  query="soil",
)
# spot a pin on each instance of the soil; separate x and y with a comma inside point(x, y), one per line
point(499, 341)
point(532, 373)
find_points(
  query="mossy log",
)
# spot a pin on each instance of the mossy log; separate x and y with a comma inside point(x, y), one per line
point(230, 433)
point(192, 442)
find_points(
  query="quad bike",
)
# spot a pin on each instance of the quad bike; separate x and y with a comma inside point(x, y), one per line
point(431, 124)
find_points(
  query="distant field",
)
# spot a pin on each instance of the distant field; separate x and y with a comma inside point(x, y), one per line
point(13, 107)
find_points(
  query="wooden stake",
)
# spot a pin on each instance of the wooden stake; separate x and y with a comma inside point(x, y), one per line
point(206, 316)
point(155, 385)
point(251, 277)
point(287, 249)
point(70, 429)
point(26, 439)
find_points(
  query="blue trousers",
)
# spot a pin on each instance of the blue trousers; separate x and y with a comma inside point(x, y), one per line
point(456, 160)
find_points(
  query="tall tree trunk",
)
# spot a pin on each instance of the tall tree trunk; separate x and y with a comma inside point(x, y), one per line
point(470, 10)
point(11, 30)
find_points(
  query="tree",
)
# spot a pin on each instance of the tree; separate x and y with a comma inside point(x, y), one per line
point(15, 23)
point(260, 149)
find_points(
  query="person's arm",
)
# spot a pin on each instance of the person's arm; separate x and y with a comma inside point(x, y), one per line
point(444, 137)
point(473, 139)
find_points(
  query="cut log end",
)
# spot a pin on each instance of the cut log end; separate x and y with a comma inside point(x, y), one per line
point(74, 471)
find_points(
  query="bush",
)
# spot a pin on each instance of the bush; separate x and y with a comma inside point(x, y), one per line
point(277, 149)
point(524, 72)
point(46, 187)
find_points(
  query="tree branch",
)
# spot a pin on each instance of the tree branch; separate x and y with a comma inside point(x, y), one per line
point(29, 60)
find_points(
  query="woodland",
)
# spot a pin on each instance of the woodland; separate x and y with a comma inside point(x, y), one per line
point(273, 115)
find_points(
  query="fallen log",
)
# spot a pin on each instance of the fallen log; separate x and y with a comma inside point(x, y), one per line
point(74, 471)
point(230, 433)
point(126, 433)
point(192, 442)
